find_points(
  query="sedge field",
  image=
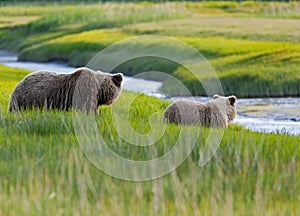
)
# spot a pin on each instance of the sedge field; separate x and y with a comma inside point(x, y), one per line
point(43, 170)
point(253, 46)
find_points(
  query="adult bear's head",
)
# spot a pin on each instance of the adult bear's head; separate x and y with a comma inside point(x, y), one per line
point(94, 88)
point(109, 87)
point(229, 105)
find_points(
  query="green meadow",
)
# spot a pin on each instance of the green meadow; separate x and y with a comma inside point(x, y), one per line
point(253, 46)
point(43, 170)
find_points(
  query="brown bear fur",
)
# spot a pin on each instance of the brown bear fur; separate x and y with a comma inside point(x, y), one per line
point(217, 112)
point(51, 90)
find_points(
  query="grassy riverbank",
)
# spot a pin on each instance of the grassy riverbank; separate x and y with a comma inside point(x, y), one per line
point(44, 171)
point(253, 46)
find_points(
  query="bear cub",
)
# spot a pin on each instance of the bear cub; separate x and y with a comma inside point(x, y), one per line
point(216, 113)
point(83, 89)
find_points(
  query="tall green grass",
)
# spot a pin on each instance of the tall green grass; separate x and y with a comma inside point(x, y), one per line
point(44, 171)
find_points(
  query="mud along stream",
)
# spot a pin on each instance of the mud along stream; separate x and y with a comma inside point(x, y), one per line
point(261, 114)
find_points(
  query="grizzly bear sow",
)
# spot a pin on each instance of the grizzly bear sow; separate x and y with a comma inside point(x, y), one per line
point(217, 112)
point(83, 89)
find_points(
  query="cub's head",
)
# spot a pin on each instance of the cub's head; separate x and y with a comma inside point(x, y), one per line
point(229, 103)
point(109, 87)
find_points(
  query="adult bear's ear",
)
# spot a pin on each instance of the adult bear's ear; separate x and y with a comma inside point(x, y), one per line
point(232, 99)
point(117, 79)
point(216, 96)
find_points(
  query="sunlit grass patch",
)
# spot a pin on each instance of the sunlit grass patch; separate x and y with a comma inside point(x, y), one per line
point(252, 8)
point(251, 28)
point(70, 18)
point(9, 77)
point(16, 21)
point(78, 49)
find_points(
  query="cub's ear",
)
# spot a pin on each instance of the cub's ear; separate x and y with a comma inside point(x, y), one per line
point(117, 79)
point(232, 99)
point(216, 96)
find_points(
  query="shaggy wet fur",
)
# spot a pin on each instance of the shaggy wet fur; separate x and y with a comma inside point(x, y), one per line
point(84, 89)
point(215, 113)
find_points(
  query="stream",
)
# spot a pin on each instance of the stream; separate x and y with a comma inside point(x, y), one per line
point(269, 115)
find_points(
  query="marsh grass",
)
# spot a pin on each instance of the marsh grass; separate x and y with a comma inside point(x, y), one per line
point(42, 168)
point(70, 18)
point(44, 171)
point(246, 52)
point(245, 68)
point(253, 46)
point(250, 28)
